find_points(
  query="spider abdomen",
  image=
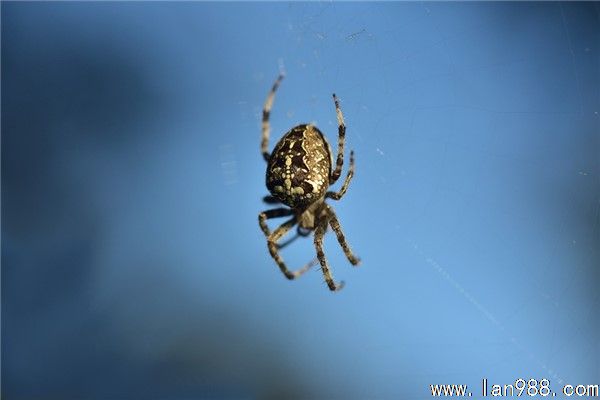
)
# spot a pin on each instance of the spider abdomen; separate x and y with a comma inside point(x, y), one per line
point(299, 167)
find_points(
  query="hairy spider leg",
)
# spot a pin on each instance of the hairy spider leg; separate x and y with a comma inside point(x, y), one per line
point(299, 233)
point(335, 225)
point(342, 192)
point(266, 127)
point(274, 213)
point(274, 237)
point(271, 200)
point(341, 139)
point(319, 235)
point(288, 241)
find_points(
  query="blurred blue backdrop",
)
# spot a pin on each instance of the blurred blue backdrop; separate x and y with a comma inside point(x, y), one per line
point(132, 262)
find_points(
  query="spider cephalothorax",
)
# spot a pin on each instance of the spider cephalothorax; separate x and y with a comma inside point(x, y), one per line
point(299, 172)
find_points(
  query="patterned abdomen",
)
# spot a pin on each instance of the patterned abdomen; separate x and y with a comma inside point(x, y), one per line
point(299, 168)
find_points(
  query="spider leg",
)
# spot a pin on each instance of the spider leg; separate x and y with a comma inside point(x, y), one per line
point(272, 240)
point(340, 194)
point(287, 242)
point(300, 232)
point(274, 213)
point(341, 139)
point(266, 127)
point(319, 234)
point(335, 225)
point(271, 200)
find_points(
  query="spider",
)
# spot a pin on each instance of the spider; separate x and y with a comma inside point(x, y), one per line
point(299, 172)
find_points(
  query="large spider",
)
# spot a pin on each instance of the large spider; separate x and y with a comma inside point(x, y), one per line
point(298, 175)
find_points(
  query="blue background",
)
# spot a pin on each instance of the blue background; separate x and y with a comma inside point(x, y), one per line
point(132, 262)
